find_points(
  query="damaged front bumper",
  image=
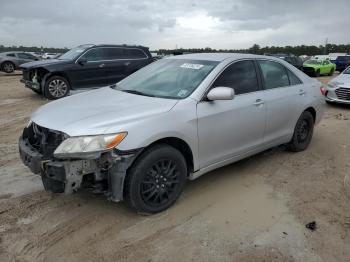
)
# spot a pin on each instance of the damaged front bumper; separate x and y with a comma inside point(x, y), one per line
point(105, 174)
point(31, 84)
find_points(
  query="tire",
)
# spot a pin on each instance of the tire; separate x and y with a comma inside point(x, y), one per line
point(302, 133)
point(8, 67)
point(56, 87)
point(156, 179)
point(331, 72)
point(317, 73)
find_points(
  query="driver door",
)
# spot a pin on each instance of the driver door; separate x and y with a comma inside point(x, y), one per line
point(230, 128)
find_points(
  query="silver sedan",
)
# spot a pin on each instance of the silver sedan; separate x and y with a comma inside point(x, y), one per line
point(10, 61)
point(176, 119)
point(338, 89)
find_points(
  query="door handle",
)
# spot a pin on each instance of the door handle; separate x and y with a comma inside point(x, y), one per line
point(101, 65)
point(259, 102)
point(302, 92)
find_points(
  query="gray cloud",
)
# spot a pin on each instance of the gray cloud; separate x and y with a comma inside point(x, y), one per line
point(167, 23)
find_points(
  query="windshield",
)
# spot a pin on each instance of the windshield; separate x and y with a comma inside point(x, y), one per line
point(74, 53)
point(313, 62)
point(168, 78)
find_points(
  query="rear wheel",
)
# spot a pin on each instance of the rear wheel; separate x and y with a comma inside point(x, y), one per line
point(156, 179)
point(302, 132)
point(56, 87)
point(8, 67)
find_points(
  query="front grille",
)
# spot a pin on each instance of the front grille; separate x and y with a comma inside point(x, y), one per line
point(308, 70)
point(44, 140)
point(343, 93)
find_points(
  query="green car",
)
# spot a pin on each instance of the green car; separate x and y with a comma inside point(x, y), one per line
point(315, 67)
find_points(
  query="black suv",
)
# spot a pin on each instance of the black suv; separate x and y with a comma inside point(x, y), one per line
point(291, 59)
point(86, 66)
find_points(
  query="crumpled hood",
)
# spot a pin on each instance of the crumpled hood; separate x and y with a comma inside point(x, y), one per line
point(100, 111)
point(46, 62)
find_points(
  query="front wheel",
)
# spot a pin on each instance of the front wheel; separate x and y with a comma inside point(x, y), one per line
point(317, 73)
point(156, 179)
point(331, 72)
point(302, 132)
point(56, 87)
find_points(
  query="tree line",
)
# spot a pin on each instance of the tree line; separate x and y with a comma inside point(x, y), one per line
point(33, 49)
point(255, 49)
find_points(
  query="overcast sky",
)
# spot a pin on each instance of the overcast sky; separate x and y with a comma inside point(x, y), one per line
point(172, 23)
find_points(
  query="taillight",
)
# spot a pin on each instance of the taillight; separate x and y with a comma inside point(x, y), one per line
point(323, 90)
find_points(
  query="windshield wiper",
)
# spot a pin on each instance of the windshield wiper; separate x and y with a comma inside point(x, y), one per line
point(135, 92)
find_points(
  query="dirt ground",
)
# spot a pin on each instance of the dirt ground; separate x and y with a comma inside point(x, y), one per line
point(253, 210)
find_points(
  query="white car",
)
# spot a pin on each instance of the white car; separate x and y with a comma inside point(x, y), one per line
point(338, 89)
point(49, 55)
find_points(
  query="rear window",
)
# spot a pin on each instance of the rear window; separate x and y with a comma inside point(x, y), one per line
point(12, 55)
point(343, 58)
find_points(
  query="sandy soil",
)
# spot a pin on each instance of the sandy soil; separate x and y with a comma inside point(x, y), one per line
point(254, 210)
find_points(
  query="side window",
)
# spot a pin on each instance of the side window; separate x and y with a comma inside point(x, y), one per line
point(241, 76)
point(274, 74)
point(24, 56)
point(134, 53)
point(12, 55)
point(115, 53)
point(293, 79)
point(95, 54)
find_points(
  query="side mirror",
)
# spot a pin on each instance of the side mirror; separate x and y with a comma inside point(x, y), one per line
point(82, 61)
point(221, 93)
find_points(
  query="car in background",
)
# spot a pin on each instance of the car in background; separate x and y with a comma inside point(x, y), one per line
point(10, 61)
point(172, 121)
point(86, 66)
point(338, 89)
point(49, 55)
point(314, 67)
point(342, 62)
point(291, 59)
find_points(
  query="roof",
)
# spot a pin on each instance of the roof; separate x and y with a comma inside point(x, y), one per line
point(216, 56)
point(111, 45)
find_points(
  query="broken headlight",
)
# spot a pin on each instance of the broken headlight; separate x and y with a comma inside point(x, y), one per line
point(87, 145)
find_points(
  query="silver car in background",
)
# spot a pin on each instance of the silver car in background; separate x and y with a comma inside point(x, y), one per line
point(10, 61)
point(173, 120)
point(338, 89)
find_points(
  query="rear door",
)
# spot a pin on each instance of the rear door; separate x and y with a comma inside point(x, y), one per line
point(230, 128)
point(285, 99)
point(91, 73)
point(24, 58)
point(116, 64)
point(124, 61)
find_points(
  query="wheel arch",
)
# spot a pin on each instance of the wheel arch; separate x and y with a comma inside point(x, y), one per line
point(180, 145)
point(56, 73)
point(312, 111)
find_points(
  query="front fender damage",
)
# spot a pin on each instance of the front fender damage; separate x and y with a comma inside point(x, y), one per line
point(104, 175)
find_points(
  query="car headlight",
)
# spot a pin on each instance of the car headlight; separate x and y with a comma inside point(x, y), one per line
point(334, 84)
point(87, 145)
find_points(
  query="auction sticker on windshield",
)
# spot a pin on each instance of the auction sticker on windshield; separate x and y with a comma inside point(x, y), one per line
point(192, 66)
